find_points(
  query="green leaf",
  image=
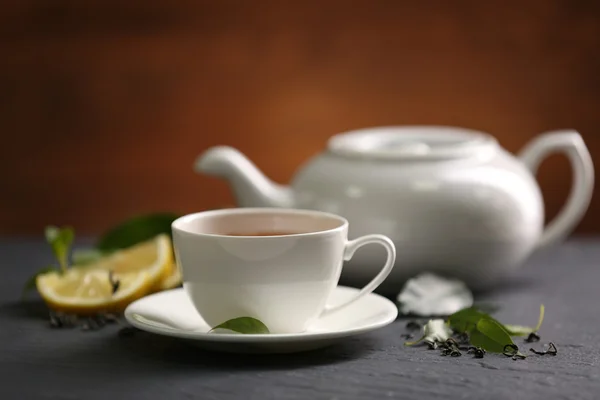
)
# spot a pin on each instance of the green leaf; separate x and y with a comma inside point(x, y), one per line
point(465, 320)
point(518, 330)
point(540, 318)
point(412, 343)
point(243, 325)
point(490, 335)
point(60, 239)
point(30, 283)
point(86, 256)
point(485, 307)
point(136, 230)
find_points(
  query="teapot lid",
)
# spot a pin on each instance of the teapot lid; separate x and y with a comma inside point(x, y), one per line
point(412, 142)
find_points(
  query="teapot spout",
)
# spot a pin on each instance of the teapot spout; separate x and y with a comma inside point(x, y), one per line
point(250, 186)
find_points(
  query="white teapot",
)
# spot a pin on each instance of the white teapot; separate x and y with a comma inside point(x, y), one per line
point(453, 201)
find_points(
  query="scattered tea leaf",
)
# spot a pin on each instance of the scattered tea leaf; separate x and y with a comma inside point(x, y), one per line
point(451, 352)
point(111, 318)
point(246, 325)
point(533, 337)
point(477, 352)
point(60, 239)
point(472, 326)
point(61, 320)
point(450, 348)
point(93, 322)
point(512, 350)
point(552, 350)
point(136, 230)
point(490, 335)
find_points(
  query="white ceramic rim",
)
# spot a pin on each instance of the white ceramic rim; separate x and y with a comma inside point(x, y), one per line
point(177, 224)
point(388, 312)
point(370, 142)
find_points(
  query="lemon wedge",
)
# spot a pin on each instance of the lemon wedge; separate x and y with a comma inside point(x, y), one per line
point(172, 280)
point(89, 292)
point(112, 282)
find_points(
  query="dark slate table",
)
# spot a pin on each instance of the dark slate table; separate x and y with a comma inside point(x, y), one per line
point(37, 362)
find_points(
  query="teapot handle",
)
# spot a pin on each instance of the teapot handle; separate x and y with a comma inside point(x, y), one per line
point(571, 144)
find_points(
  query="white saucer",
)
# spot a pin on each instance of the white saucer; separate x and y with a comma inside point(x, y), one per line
point(171, 313)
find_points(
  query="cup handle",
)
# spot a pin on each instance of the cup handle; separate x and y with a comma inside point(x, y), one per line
point(351, 247)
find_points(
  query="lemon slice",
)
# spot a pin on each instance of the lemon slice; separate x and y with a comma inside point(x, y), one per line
point(172, 280)
point(139, 270)
point(87, 292)
point(154, 256)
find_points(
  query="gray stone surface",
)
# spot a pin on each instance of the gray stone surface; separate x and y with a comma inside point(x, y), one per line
point(37, 362)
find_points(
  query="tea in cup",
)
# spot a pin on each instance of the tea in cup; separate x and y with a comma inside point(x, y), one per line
point(276, 265)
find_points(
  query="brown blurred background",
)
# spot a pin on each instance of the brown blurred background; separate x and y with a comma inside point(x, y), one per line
point(105, 104)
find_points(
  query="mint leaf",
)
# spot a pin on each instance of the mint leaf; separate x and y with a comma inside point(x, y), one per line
point(136, 230)
point(30, 283)
point(60, 239)
point(490, 335)
point(485, 307)
point(243, 325)
point(465, 321)
point(540, 318)
point(518, 330)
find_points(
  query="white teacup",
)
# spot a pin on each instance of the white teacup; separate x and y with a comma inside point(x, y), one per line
point(276, 265)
